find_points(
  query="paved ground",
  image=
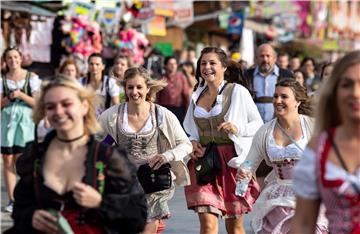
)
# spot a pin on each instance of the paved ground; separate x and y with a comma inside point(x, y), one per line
point(183, 221)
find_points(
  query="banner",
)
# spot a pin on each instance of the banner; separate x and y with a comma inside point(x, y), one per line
point(156, 27)
point(236, 23)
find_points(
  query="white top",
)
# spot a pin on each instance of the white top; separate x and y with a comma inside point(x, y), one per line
point(278, 153)
point(34, 80)
point(242, 113)
point(146, 128)
point(114, 89)
point(305, 176)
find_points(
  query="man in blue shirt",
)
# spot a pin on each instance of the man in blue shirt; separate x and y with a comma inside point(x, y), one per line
point(263, 79)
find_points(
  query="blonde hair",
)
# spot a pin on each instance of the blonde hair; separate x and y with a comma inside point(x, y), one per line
point(91, 125)
point(327, 112)
point(153, 85)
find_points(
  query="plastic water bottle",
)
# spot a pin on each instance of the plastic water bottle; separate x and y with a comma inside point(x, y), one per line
point(241, 185)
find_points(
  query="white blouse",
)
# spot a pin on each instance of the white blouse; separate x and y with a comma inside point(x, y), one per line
point(34, 81)
point(146, 128)
point(242, 112)
point(114, 88)
point(305, 176)
point(277, 152)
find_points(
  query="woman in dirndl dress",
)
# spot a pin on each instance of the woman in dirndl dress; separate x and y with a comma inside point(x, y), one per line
point(225, 113)
point(329, 172)
point(17, 88)
point(151, 134)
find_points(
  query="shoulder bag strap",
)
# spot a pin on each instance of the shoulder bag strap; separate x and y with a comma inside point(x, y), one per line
point(117, 126)
point(341, 160)
point(158, 129)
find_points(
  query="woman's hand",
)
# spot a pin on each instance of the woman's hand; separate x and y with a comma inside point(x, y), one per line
point(198, 150)
point(44, 221)
point(228, 128)
point(16, 94)
point(243, 174)
point(86, 196)
point(157, 161)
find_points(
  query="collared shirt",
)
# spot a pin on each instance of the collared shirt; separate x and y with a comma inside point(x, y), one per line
point(176, 93)
point(265, 87)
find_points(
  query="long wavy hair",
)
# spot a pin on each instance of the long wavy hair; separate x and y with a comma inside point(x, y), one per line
point(327, 111)
point(153, 85)
point(91, 125)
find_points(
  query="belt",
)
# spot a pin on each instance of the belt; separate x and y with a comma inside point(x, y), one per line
point(263, 99)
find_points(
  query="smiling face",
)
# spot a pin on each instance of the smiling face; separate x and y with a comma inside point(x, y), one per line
point(136, 90)
point(284, 101)
point(348, 94)
point(211, 68)
point(65, 111)
point(120, 66)
point(13, 59)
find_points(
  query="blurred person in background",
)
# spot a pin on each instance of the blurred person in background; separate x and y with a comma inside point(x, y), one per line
point(283, 60)
point(117, 71)
point(312, 80)
point(69, 68)
point(299, 77)
point(329, 171)
point(325, 72)
point(295, 63)
point(17, 89)
point(106, 87)
point(188, 70)
point(175, 96)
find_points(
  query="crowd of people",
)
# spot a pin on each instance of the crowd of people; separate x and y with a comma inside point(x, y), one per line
point(103, 152)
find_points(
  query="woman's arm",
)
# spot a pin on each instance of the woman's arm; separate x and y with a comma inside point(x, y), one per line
point(123, 206)
point(243, 112)
point(305, 217)
point(183, 146)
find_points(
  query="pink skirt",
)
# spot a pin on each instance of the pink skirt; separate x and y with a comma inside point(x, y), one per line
point(220, 193)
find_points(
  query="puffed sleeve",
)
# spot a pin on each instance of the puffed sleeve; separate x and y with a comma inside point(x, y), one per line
point(114, 87)
point(123, 206)
point(304, 176)
point(25, 201)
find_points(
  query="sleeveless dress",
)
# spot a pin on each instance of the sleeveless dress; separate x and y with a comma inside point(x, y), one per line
point(276, 204)
point(219, 196)
point(319, 178)
point(140, 147)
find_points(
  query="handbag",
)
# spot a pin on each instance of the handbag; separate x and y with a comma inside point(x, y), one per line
point(155, 180)
point(208, 166)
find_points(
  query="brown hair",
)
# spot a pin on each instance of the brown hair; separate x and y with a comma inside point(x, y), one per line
point(154, 85)
point(306, 105)
point(327, 112)
point(221, 56)
point(91, 125)
point(68, 62)
point(7, 50)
